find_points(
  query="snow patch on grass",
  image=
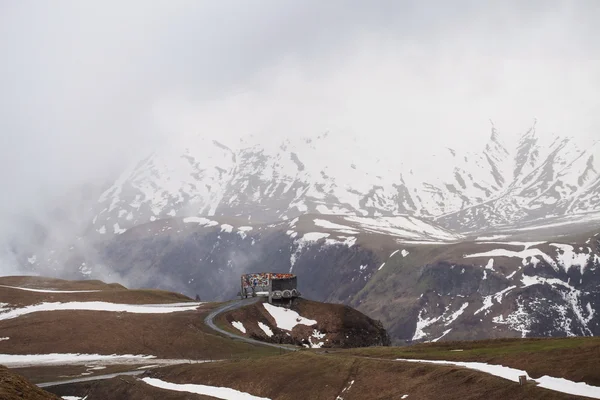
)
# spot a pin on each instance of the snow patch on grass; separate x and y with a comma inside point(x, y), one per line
point(287, 319)
point(100, 306)
point(67, 358)
point(265, 328)
point(49, 290)
point(213, 391)
point(512, 374)
point(344, 390)
point(239, 326)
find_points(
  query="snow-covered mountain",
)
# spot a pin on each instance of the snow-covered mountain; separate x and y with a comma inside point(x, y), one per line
point(537, 177)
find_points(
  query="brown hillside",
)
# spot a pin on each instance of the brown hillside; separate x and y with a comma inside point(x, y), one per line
point(13, 387)
point(571, 358)
point(303, 375)
point(123, 387)
point(343, 326)
point(173, 335)
point(41, 282)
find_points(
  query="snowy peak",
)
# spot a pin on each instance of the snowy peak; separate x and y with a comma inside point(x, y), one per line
point(497, 157)
point(333, 173)
point(176, 180)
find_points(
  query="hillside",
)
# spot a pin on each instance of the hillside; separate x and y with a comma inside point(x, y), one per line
point(306, 323)
point(158, 345)
point(16, 387)
point(572, 358)
point(304, 375)
point(102, 325)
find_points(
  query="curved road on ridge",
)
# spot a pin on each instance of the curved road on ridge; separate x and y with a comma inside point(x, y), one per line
point(209, 321)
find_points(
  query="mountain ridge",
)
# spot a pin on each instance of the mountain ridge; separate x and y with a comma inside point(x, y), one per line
point(284, 179)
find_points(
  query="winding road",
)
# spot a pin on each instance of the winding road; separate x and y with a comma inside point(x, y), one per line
point(209, 321)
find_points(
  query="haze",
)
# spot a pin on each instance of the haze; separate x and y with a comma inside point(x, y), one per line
point(87, 87)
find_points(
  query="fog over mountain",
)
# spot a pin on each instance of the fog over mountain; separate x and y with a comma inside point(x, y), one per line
point(91, 89)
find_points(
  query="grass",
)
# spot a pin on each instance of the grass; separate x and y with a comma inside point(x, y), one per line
point(13, 387)
point(310, 375)
point(571, 358)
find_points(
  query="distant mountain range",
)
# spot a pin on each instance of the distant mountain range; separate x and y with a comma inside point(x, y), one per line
point(500, 185)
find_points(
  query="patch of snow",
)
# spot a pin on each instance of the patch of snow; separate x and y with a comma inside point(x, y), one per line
point(520, 254)
point(314, 236)
point(347, 241)
point(403, 226)
point(226, 228)
point(394, 253)
point(49, 291)
point(382, 265)
point(322, 223)
point(32, 259)
point(490, 265)
point(526, 245)
point(423, 323)
point(518, 320)
point(315, 344)
point(567, 257)
point(571, 296)
point(265, 328)
point(344, 390)
point(3, 339)
point(287, 319)
point(100, 306)
point(117, 229)
point(14, 360)
point(405, 253)
point(443, 334)
point(512, 374)
point(239, 326)
point(307, 239)
point(494, 237)
point(213, 391)
point(487, 304)
point(455, 315)
point(200, 221)
point(293, 222)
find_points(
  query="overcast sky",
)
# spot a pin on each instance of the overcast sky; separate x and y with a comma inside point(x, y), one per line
point(87, 85)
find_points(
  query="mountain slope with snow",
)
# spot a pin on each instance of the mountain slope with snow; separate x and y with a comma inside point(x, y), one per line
point(333, 174)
